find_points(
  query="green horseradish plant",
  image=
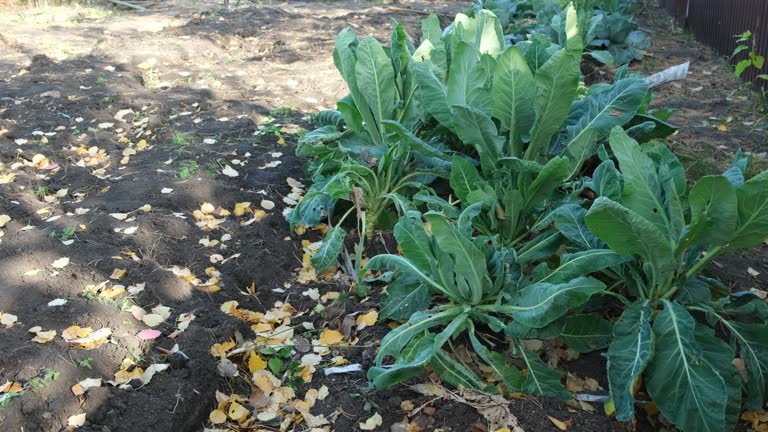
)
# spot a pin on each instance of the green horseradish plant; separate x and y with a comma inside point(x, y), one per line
point(449, 283)
point(666, 334)
point(367, 153)
point(520, 112)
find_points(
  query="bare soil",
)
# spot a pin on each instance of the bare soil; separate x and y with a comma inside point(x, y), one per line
point(206, 80)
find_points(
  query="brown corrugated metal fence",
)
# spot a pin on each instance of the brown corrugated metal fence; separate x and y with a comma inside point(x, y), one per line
point(715, 22)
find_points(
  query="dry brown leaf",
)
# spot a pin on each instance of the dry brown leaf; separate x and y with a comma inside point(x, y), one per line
point(562, 425)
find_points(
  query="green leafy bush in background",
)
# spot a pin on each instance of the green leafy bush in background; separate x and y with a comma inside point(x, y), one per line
point(528, 205)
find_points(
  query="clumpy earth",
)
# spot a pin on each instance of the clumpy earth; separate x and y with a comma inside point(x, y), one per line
point(117, 128)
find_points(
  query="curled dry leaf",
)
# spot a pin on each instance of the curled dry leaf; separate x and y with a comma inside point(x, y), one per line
point(57, 302)
point(93, 339)
point(229, 171)
point(367, 320)
point(149, 334)
point(494, 408)
point(76, 420)
point(561, 425)
point(372, 423)
point(217, 416)
point(42, 336)
point(8, 320)
point(83, 386)
point(60, 263)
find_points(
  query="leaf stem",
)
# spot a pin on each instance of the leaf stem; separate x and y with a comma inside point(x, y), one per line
point(703, 262)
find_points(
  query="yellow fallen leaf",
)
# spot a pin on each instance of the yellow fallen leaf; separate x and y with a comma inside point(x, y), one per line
point(4, 219)
point(74, 332)
point(331, 337)
point(220, 349)
point(217, 416)
point(207, 208)
point(367, 320)
point(242, 208)
point(722, 128)
point(236, 411)
point(112, 292)
point(255, 363)
point(265, 381)
point(42, 336)
point(126, 375)
point(118, 274)
point(92, 340)
point(7, 178)
point(259, 214)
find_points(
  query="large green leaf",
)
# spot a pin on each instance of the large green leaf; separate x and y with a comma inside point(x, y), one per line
point(557, 82)
point(753, 347)
point(394, 342)
point(509, 374)
point(482, 31)
point(454, 373)
point(414, 242)
point(415, 144)
point(390, 262)
point(475, 128)
point(606, 181)
point(719, 356)
point(329, 250)
point(469, 82)
point(345, 59)
point(604, 110)
point(689, 392)
point(713, 212)
point(540, 379)
point(628, 356)
point(580, 263)
point(543, 245)
point(464, 178)
point(628, 233)
point(375, 78)
point(752, 226)
point(593, 118)
point(570, 221)
point(586, 332)
point(432, 49)
point(469, 270)
point(642, 188)
point(404, 299)
point(408, 366)
point(514, 90)
point(549, 179)
point(433, 95)
point(542, 303)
